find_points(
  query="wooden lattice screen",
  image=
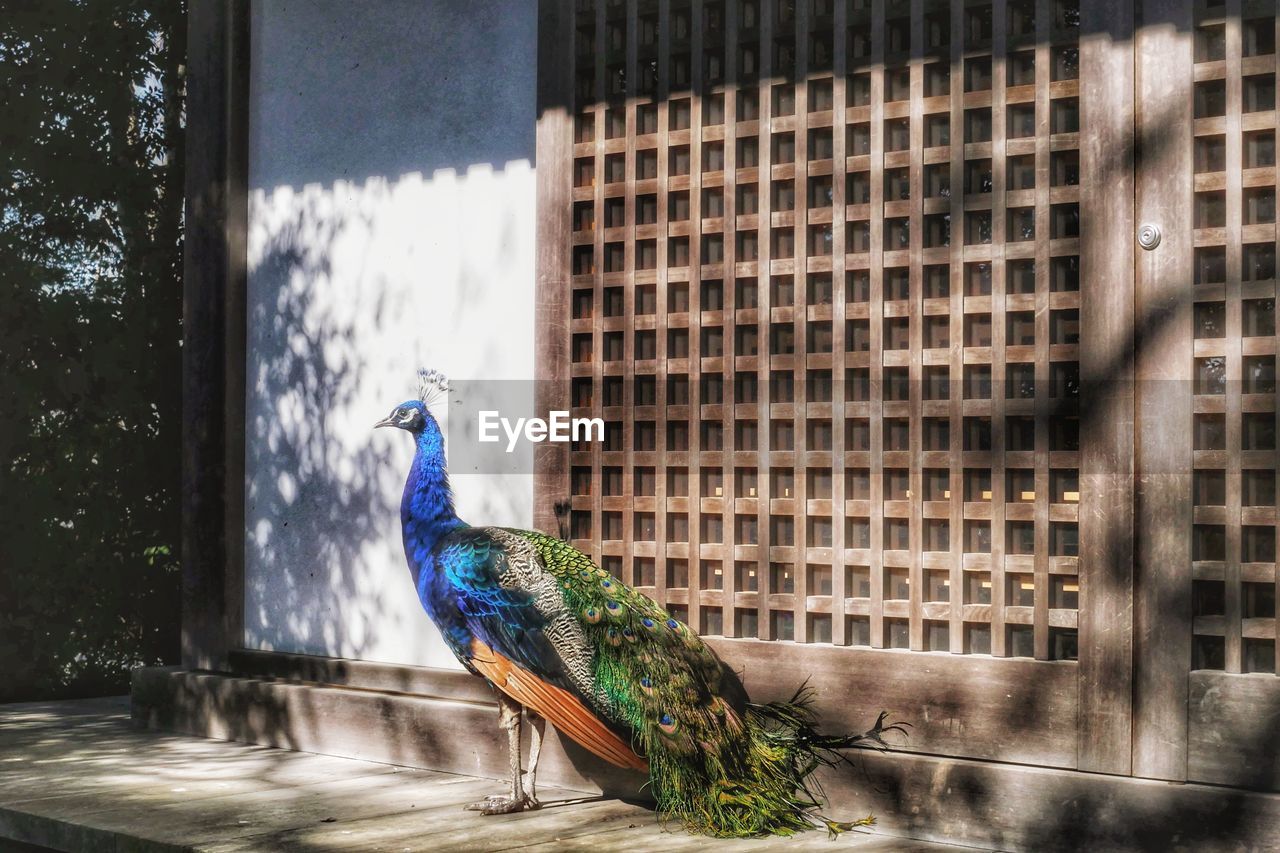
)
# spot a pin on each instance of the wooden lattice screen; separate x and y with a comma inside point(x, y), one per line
point(825, 294)
point(1234, 347)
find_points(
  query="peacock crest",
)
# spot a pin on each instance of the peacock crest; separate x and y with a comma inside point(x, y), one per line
point(432, 386)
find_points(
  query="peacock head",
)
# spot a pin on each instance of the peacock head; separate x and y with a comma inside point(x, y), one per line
point(415, 415)
point(411, 415)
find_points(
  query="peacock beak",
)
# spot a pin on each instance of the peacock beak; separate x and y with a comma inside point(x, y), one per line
point(385, 422)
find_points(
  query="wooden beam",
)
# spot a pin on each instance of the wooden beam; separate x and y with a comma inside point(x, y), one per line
point(1162, 611)
point(1013, 710)
point(1106, 373)
point(213, 349)
point(438, 683)
point(554, 156)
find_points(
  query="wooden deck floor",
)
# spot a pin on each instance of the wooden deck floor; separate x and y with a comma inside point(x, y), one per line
point(77, 776)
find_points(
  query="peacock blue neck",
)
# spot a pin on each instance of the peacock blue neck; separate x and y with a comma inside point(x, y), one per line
point(426, 509)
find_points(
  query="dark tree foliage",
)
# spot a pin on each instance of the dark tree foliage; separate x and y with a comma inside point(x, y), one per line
point(90, 312)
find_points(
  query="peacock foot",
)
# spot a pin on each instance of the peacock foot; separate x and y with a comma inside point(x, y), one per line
point(502, 804)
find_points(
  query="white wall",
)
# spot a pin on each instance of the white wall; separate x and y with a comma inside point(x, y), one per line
point(391, 226)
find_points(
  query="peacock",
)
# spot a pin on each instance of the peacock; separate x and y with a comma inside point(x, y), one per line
point(562, 640)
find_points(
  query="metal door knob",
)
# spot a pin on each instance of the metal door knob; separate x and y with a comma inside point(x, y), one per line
point(1148, 235)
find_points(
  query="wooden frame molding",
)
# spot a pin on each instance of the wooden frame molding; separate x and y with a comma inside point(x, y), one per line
point(1106, 373)
point(957, 706)
point(213, 352)
point(1013, 731)
point(1162, 611)
point(554, 210)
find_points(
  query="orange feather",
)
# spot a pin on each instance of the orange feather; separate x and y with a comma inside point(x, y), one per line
point(561, 708)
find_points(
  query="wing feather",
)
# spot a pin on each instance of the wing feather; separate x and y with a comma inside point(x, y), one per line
point(564, 710)
point(653, 674)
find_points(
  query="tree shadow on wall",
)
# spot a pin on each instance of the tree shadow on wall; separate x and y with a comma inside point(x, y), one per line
point(313, 501)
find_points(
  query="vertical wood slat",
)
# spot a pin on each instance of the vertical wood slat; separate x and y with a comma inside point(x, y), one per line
point(661, 557)
point(597, 286)
point(554, 135)
point(840, 592)
point(1045, 20)
point(1106, 372)
point(1000, 237)
point(800, 303)
point(876, 331)
point(237, 236)
point(1163, 362)
point(955, 339)
point(628, 451)
point(1231, 575)
point(214, 333)
point(764, 289)
point(915, 293)
point(696, 143)
point(728, 396)
point(1275, 626)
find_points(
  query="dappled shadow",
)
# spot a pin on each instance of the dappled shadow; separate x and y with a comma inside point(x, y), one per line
point(356, 711)
point(313, 501)
point(346, 299)
point(75, 776)
point(414, 687)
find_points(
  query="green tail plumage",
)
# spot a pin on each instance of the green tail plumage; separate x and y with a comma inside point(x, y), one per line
point(761, 783)
point(718, 764)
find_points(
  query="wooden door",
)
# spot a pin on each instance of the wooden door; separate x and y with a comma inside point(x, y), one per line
point(1207, 701)
point(851, 284)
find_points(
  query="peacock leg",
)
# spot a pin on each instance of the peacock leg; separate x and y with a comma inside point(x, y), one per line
point(509, 712)
point(539, 725)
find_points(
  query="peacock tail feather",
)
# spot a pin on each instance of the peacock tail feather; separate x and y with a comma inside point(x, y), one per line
point(719, 765)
